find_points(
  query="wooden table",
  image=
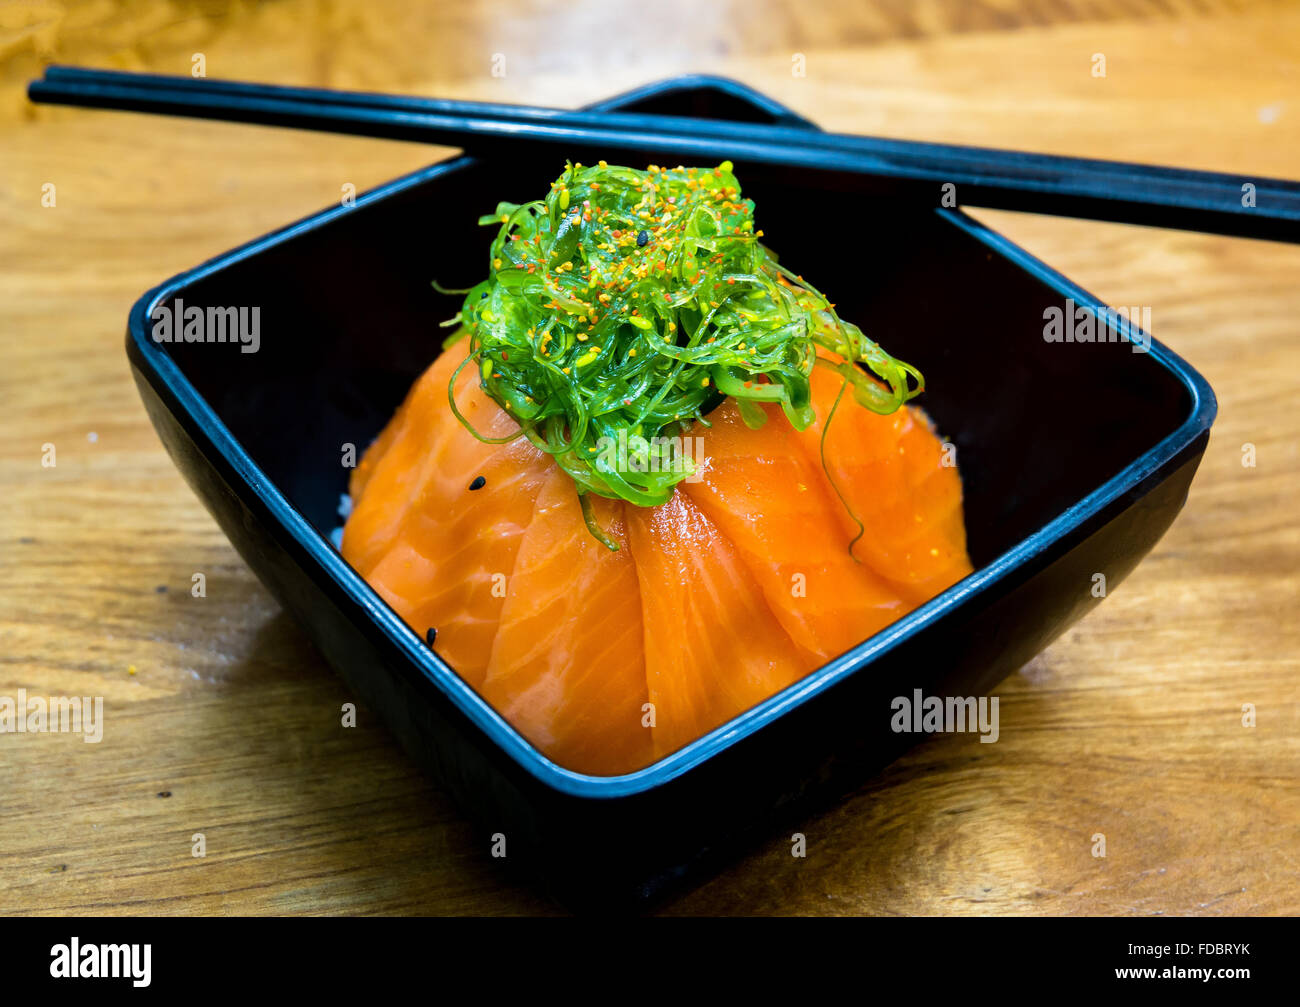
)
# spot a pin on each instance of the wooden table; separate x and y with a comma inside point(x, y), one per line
point(221, 719)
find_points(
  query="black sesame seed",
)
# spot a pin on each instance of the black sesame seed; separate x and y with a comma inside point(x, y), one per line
point(160, 589)
point(478, 483)
point(164, 793)
point(430, 636)
point(641, 238)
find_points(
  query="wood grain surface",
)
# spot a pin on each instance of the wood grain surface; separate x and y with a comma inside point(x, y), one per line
point(221, 719)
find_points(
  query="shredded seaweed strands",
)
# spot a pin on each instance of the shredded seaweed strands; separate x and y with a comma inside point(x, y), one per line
point(625, 305)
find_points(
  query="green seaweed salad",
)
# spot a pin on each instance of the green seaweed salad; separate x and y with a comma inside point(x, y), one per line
point(625, 305)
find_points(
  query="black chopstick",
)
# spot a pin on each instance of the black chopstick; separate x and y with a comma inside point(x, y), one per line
point(1104, 190)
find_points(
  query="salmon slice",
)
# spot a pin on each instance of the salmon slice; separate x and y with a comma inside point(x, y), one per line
point(891, 472)
point(394, 467)
point(761, 490)
point(568, 664)
point(447, 551)
point(713, 648)
point(360, 478)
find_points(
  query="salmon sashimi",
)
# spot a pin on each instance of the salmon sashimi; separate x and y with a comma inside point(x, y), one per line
point(568, 663)
point(769, 499)
point(892, 474)
point(424, 541)
point(391, 472)
point(735, 588)
point(713, 647)
point(524, 511)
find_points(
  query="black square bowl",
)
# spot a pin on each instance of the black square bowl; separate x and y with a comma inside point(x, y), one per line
point(1075, 456)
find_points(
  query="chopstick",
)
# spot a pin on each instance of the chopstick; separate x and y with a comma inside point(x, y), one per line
point(1238, 205)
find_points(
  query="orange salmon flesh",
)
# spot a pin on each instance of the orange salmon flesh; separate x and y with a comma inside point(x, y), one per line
point(738, 586)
